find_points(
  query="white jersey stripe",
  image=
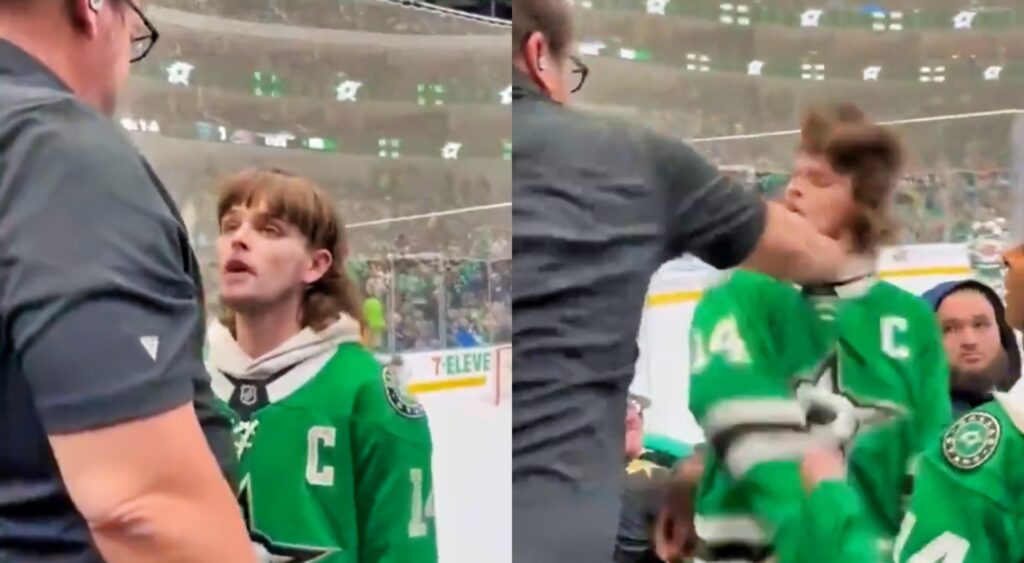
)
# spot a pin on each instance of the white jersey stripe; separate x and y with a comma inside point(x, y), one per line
point(759, 447)
point(729, 529)
point(736, 412)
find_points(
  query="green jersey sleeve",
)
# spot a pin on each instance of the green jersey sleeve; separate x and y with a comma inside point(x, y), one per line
point(393, 479)
point(749, 341)
point(933, 412)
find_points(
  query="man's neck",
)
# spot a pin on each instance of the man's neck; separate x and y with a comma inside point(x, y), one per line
point(258, 333)
point(48, 44)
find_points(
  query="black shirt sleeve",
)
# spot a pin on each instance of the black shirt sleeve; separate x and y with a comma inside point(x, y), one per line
point(97, 308)
point(708, 215)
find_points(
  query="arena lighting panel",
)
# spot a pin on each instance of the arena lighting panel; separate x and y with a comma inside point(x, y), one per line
point(932, 74)
point(887, 21)
point(827, 14)
point(342, 87)
point(698, 61)
point(812, 71)
point(813, 67)
point(386, 147)
point(734, 14)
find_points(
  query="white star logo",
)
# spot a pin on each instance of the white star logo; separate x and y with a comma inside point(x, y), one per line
point(348, 90)
point(506, 96)
point(451, 150)
point(964, 19)
point(180, 73)
point(754, 68)
point(832, 413)
point(244, 432)
point(811, 18)
point(657, 7)
point(993, 72)
point(872, 72)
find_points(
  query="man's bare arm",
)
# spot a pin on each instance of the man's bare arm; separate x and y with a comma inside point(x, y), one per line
point(790, 248)
point(128, 482)
point(726, 225)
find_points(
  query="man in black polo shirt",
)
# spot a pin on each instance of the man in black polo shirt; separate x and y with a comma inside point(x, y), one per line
point(597, 206)
point(104, 399)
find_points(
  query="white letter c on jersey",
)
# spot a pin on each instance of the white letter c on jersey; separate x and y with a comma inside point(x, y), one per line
point(890, 327)
point(316, 475)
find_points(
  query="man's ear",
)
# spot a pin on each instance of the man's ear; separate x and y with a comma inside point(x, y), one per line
point(322, 260)
point(85, 15)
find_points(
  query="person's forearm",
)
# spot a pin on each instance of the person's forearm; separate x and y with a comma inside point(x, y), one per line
point(790, 248)
point(162, 528)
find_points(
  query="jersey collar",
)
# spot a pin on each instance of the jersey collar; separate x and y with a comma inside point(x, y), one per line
point(17, 63)
point(856, 278)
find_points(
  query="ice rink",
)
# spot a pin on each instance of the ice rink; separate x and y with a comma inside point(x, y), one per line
point(472, 476)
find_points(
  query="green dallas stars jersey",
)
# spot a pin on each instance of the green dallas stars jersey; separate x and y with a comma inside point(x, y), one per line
point(967, 505)
point(334, 459)
point(776, 371)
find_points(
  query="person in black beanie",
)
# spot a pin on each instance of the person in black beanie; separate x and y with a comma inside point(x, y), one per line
point(980, 344)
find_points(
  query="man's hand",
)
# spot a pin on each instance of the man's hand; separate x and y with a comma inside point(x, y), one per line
point(790, 248)
point(674, 534)
point(823, 464)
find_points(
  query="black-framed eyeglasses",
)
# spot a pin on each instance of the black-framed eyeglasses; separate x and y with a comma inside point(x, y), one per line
point(579, 67)
point(142, 44)
point(581, 70)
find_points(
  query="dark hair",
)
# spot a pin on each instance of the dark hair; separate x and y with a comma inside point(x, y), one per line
point(870, 154)
point(551, 18)
point(302, 203)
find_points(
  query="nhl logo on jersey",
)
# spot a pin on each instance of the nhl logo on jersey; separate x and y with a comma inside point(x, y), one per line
point(400, 398)
point(972, 440)
point(247, 395)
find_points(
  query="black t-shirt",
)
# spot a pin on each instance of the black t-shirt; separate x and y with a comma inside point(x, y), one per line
point(101, 317)
point(597, 206)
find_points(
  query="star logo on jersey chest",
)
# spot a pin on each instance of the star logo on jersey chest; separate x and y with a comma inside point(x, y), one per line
point(832, 411)
point(266, 549)
point(972, 440)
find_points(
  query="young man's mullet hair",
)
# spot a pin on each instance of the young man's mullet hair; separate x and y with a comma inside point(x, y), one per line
point(870, 154)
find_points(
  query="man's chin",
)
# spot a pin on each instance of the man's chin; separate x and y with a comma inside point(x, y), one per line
point(981, 379)
point(243, 304)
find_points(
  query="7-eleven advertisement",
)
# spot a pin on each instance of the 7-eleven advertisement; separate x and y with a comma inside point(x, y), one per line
point(441, 370)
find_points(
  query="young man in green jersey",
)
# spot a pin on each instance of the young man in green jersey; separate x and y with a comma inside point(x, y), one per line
point(966, 506)
point(334, 454)
point(779, 371)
